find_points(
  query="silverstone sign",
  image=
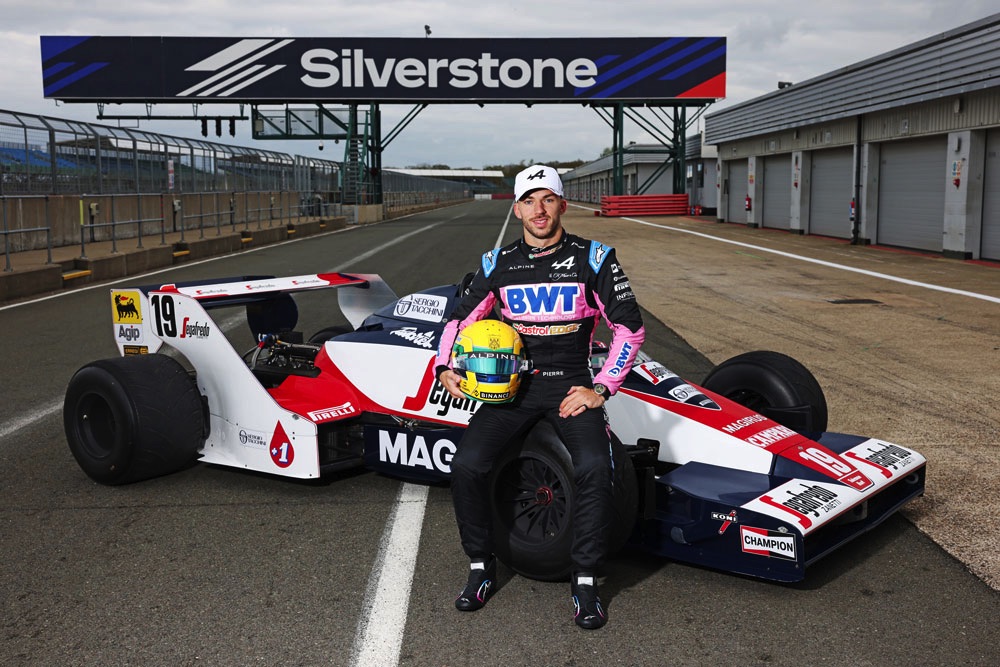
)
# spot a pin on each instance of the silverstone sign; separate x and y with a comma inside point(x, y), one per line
point(319, 69)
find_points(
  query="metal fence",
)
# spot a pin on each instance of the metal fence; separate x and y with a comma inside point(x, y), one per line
point(59, 175)
point(404, 190)
point(43, 155)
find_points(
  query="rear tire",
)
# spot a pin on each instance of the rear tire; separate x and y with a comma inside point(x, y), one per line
point(534, 499)
point(132, 418)
point(775, 385)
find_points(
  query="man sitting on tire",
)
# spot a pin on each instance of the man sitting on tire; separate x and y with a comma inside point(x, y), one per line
point(552, 287)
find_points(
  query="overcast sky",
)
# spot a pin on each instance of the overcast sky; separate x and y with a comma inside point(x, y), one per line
point(767, 41)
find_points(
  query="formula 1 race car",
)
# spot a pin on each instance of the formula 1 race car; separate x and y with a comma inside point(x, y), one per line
point(738, 474)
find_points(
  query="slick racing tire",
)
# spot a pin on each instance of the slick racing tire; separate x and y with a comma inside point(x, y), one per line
point(775, 385)
point(534, 499)
point(133, 418)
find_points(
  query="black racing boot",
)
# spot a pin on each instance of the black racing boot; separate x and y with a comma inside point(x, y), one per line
point(482, 579)
point(590, 613)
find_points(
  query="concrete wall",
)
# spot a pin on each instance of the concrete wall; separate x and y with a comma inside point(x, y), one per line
point(128, 216)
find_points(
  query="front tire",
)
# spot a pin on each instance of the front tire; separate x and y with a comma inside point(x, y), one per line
point(534, 499)
point(775, 385)
point(132, 418)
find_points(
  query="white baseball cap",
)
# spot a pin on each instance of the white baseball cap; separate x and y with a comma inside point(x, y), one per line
point(536, 177)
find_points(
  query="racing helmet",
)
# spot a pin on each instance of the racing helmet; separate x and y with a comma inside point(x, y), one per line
point(489, 356)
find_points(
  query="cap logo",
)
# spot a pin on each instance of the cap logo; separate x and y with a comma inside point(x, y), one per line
point(537, 177)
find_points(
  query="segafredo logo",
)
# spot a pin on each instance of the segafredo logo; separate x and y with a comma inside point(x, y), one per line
point(235, 67)
point(194, 329)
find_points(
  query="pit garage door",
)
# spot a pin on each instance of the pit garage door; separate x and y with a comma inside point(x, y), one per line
point(990, 248)
point(911, 193)
point(830, 196)
point(778, 192)
point(738, 173)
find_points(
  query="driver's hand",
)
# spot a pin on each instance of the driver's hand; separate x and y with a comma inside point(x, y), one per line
point(578, 399)
point(450, 379)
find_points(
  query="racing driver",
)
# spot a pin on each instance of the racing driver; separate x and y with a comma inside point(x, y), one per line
point(551, 287)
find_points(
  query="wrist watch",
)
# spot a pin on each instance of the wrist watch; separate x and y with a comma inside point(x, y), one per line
point(602, 391)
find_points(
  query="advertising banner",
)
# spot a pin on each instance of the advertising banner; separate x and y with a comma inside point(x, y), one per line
point(320, 69)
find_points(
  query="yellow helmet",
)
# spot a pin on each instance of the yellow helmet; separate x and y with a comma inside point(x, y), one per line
point(489, 356)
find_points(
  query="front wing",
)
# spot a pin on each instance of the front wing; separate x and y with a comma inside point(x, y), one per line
point(767, 526)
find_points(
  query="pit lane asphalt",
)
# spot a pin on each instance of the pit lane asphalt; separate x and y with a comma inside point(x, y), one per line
point(214, 566)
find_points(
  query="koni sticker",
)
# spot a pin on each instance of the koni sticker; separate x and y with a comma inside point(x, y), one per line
point(726, 519)
point(769, 543)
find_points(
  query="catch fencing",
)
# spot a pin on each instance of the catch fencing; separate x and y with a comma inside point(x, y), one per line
point(64, 182)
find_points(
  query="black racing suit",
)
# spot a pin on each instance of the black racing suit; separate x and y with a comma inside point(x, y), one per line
point(553, 298)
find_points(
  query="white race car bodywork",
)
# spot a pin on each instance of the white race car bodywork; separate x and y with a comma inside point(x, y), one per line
point(717, 462)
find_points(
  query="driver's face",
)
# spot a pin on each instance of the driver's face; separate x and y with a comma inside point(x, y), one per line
point(540, 212)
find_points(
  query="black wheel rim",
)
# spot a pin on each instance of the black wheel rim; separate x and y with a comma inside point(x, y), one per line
point(749, 399)
point(98, 426)
point(531, 500)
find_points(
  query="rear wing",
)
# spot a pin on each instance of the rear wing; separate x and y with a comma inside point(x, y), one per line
point(142, 317)
point(243, 290)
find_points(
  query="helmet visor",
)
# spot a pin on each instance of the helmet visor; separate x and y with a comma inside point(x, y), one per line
point(490, 366)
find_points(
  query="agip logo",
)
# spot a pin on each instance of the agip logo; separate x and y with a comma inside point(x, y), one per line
point(126, 307)
point(126, 313)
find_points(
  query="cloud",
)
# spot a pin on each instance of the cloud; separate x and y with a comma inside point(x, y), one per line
point(768, 41)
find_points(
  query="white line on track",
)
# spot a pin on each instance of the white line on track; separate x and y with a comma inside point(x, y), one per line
point(832, 265)
point(387, 595)
point(15, 425)
point(248, 251)
point(399, 239)
point(383, 620)
point(118, 281)
point(503, 230)
point(36, 415)
point(12, 426)
point(379, 636)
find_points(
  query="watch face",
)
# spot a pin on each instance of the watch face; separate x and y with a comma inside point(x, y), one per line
point(600, 390)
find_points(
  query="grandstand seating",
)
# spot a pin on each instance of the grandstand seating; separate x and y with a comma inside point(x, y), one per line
point(32, 158)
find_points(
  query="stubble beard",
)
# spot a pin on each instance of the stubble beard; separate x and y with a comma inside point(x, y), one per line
point(542, 237)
